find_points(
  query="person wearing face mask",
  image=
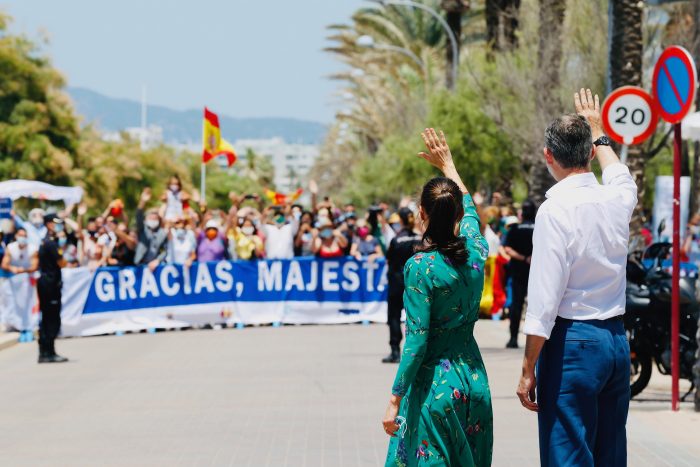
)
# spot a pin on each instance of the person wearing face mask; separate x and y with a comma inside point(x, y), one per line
point(182, 244)
point(22, 257)
point(364, 245)
point(348, 229)
point(303, 244)
point(244, 242)
point(35, 228)
point(330, 242)
point(175, 200)
point(279, 231)
point(152, 237)
point(211, 243)
point(49, 288)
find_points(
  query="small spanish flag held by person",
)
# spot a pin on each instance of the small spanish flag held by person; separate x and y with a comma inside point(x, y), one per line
point(281, 198)
point(212, 143)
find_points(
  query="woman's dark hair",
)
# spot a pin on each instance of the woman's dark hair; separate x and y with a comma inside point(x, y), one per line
point(407, 218)
point(441, 201)
point(307, 213)
point(529, 210)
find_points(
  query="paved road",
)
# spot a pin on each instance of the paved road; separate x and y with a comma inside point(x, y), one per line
point(292, 396)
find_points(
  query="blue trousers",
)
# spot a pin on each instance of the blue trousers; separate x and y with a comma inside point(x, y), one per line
point(583, 392)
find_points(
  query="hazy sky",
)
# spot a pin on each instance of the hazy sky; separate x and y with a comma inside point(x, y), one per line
point(244, 58)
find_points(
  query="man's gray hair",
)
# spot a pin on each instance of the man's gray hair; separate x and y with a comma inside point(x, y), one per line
point(569, 140)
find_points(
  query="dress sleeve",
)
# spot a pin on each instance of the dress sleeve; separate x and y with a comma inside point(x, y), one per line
point(470, 227)
point(418, 298)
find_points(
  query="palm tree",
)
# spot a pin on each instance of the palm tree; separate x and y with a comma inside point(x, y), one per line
point(502, 15)
point(549, 54)
point(454, 9)
point(389, 92)
point(626, 53)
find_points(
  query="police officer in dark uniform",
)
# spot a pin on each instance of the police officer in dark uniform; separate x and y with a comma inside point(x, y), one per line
point(519, 248)
point(49, 289)
point(400, 250)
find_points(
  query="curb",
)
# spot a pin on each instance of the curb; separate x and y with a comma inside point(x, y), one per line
point(8, 339)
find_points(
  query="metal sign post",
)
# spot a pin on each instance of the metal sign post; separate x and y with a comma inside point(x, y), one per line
point(673, 88)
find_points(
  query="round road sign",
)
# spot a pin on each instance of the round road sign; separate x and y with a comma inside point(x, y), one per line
point(673, 84)
point(629, 115)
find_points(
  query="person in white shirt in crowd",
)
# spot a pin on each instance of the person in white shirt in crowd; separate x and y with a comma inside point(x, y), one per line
point(182, 244)
point(280, 230)
point(174, 200)
point(35, 228)
point(20, 257)
point(577, 359)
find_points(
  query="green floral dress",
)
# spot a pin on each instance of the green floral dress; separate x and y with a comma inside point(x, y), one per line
point(445, 416)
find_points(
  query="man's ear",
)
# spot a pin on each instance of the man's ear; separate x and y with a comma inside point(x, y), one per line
point(548, 156)
point(592, 153)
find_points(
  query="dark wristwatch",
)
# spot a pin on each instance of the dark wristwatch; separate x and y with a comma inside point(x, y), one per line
point(602, 141)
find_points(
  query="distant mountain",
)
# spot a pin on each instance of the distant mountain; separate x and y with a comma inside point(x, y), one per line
point(111, 114)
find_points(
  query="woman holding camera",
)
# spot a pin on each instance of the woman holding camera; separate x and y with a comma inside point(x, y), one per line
point(440, 407)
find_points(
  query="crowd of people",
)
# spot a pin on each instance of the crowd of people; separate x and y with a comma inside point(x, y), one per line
point(177, 228)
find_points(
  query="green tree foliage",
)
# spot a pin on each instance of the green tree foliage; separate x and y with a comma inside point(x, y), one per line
point(39, 134)
point(480, 149)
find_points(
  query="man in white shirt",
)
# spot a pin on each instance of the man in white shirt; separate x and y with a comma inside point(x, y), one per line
point(279, 235)
point(576, 341)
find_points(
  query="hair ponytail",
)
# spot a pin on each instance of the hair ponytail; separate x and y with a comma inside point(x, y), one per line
point(442, 203)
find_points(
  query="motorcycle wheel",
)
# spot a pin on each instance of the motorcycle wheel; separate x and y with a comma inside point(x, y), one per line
point(640, 372)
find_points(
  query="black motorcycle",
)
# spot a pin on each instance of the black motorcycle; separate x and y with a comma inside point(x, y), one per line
point(648, 318)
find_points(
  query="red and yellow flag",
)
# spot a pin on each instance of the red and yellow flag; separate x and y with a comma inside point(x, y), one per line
point(212, 143)
point(281, 198)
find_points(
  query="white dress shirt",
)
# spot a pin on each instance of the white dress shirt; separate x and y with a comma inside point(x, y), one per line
point(579, 252)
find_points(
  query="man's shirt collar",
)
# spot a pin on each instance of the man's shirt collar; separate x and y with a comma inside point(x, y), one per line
point(571, 182)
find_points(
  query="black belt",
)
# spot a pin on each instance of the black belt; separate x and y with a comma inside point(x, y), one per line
point(614, 318)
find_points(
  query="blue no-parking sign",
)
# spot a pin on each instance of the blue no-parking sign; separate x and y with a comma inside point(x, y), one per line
point(674, 82)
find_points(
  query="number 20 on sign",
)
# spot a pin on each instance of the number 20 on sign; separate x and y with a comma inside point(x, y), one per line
point(629, 115)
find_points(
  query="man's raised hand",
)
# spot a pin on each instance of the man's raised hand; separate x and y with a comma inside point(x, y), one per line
point(588, 106)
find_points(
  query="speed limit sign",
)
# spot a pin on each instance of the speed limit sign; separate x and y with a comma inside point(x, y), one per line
point(629, 115)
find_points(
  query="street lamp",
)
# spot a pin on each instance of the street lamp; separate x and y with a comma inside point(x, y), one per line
point(368, 43)
point(443, 23)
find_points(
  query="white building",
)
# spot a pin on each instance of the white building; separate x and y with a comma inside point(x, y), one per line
point(292, 162)
point(148, 137)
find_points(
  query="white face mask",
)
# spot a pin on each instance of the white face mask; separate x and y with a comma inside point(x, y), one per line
point(22, 241)
point(38, 222)
point(174, 188)
point(180, 233)
point(152, 224)
point(248, 230)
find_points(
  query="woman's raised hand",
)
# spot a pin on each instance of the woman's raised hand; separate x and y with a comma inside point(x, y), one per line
point(439, 154)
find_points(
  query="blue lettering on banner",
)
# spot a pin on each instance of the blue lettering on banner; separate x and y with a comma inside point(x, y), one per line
point(343, 280)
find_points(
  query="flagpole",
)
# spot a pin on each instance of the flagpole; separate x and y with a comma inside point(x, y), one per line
point(203, 184)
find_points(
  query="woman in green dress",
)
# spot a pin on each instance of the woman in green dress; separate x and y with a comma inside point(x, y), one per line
point(440, 408)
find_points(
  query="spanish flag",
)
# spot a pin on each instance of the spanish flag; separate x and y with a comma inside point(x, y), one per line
point(281, 198)
point(212, 143)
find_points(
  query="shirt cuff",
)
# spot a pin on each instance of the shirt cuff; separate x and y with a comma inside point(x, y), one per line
point(534, 327)
point(614, 170)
